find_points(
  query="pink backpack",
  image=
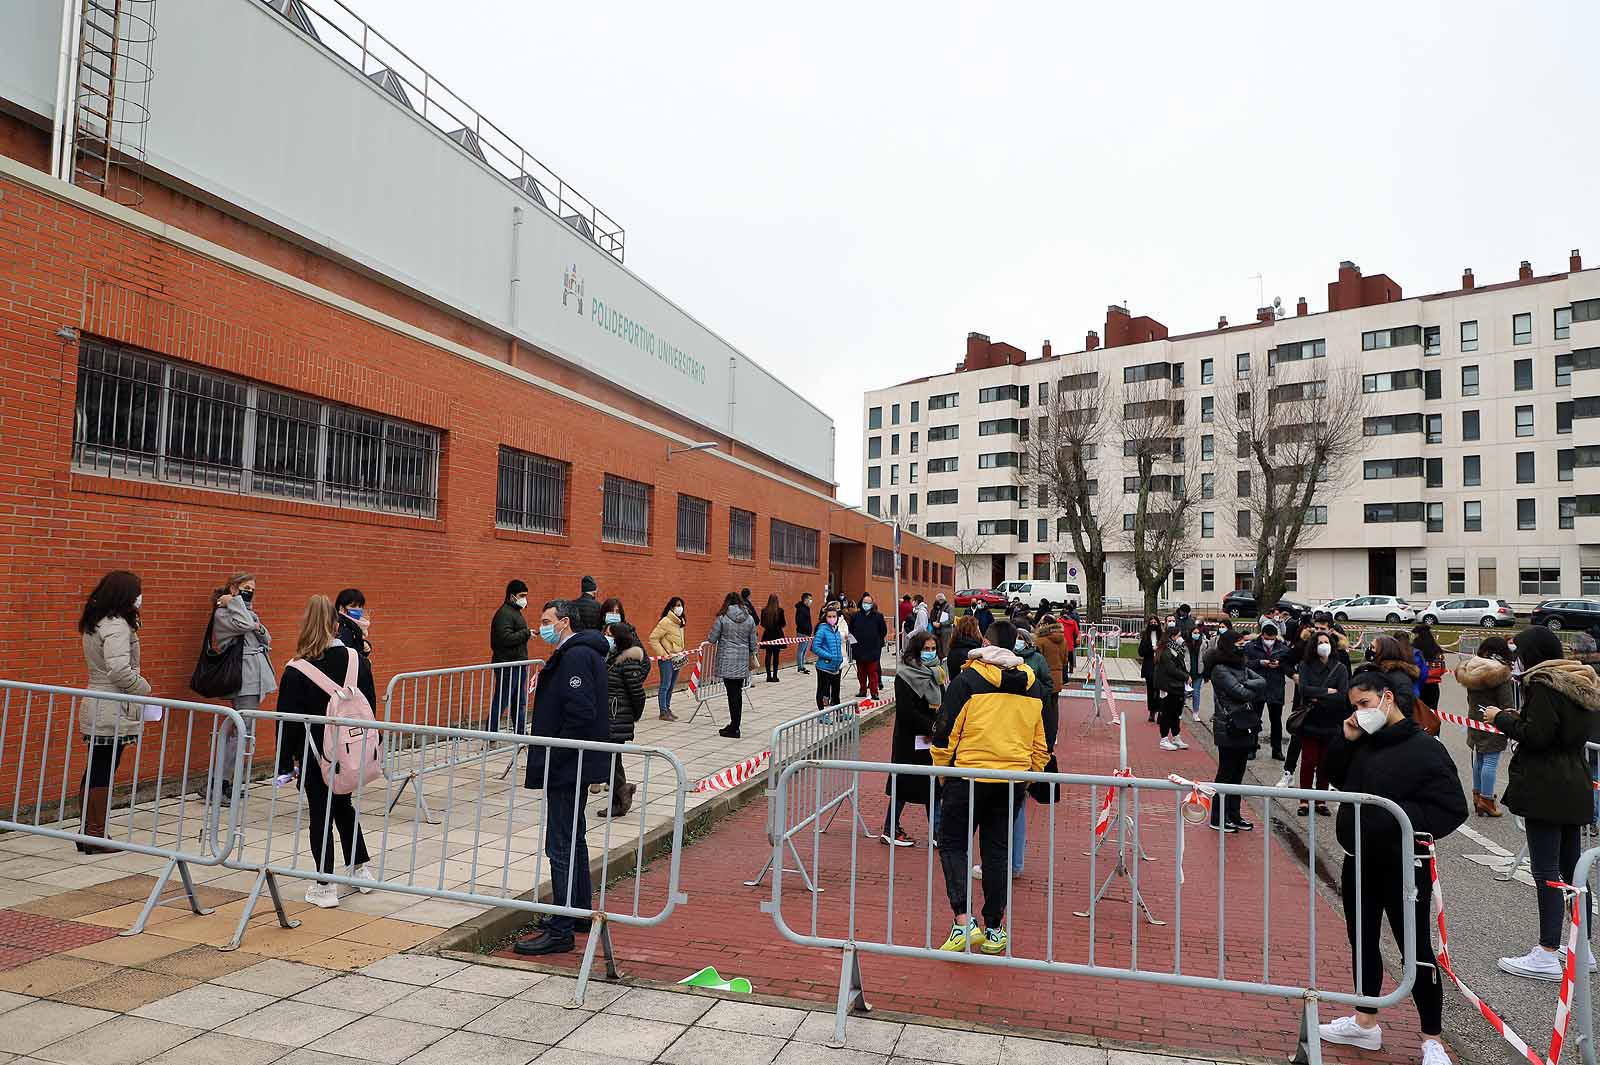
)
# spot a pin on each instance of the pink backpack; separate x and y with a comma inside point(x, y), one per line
point(356, 749)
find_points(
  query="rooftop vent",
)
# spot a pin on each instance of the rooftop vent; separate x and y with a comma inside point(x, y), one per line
point(390, 82)
point(527, 184)
point(295, 12)
point(581, 224)
point(468, 140)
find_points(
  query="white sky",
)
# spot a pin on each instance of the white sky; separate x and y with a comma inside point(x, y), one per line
point(843, 191)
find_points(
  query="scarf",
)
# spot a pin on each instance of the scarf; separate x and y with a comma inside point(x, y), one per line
point(926, 681)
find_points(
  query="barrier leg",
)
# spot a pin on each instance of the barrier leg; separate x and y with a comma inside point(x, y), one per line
point(599, 936)
point(1309, 1049)
point(161, 886)
point(270, 882)
point(852, 996)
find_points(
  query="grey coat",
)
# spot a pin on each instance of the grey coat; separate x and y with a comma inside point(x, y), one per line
point(236, 621)
point(734, 633)
point(112, 654)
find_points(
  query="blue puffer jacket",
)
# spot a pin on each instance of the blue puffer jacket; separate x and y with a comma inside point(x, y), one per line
point(828, 647)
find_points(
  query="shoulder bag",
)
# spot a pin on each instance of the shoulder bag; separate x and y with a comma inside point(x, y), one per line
point(219, 672)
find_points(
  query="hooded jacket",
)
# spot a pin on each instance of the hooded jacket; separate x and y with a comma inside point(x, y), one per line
point(1171, 668)
point(1488, 683)
point(992, 716)
point(1051, 640)
point(1235, 690)
point(1401, 763)
point(734, 633)
point(1549, 770)
point(571, 701)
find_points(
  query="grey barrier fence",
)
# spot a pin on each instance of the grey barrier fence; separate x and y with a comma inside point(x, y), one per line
point(855, 926)
point(492, 844)
point(831, 733)
point(494, 697)
point(149, 787)
point(1583, 983)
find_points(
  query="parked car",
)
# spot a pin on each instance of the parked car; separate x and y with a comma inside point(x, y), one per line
point(1032, 592)
point(1241, 603)
point(1389, 608)
point(1567, 613)
point(1490, 613)
point(1334, 604)
point(973, 596)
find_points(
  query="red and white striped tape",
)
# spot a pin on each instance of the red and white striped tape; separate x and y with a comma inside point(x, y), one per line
point(1467, 722)
point(1196, 804)
point(1102, 820)
point(733, 775)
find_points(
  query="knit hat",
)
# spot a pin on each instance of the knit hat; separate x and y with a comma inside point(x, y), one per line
point(588, 584)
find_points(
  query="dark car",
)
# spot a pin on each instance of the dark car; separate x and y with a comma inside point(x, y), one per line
point(1567, 613)
point(971, 597)
point(1241, 603)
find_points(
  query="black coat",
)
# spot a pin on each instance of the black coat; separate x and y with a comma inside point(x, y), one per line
point(571, 702)
point(350, 635)
point(774, 632)
point(802, 619)
point(960, 647)
point(870, 630)
point(508, 635)
point(625, 673)
point(1235, 690)
point(1401, 763)
point(1171, 669)
point(984, 617)
point(586, 614)
point(297, 695)
point(1257, 654)
point(913, 717)
point(1549, 771)
point(1149, 644)
point(1326, 712)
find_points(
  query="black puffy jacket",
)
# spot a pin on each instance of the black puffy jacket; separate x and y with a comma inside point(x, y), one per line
point(1549, 770)
point(1401, 763)
point(625, 673)
point(1235, 690)
point(1325, 710)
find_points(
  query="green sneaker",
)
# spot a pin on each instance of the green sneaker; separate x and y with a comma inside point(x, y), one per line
point(962, 937)
point(994, 941)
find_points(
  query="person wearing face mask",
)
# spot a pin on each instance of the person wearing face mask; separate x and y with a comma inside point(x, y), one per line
point(1380, 751)
point(1194, 642)
point(234, 615)
point(1321, 703)
point(666, 644)
point(1269, 657)
point(611, 612)
point(1235, 724)
point(354, 621)
point(109, 626)
point(1149, 649)
point(734, 636)
point(626, 668)
point(942, 619)
point(828, 646)
point(1550, 787)
point(1486, 678)
point(919, 683)
point(802, 628)
point(869, 631)
point(571, 700)
point(1171, 678)
point(590, 614)
point(508, 642)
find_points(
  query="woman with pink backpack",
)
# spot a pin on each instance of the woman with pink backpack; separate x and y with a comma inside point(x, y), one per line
point(326, 678)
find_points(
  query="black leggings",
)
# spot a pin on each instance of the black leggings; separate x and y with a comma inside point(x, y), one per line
point(1380, 895)
point(1230, 770)
point(1169, 712)
point(1553, 852)
point(343, 812)
point(827, 688)
point(773, 654)
point(104, 758)
point(735, 701)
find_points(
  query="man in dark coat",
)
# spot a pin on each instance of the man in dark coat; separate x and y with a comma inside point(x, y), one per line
point(587, 614)
point(508, 642)
point(1270, 657)
point(983, 615)
point(570, 702)
point(870, 631)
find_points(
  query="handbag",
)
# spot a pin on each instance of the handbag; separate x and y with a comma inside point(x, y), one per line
point(219, 672)
point(1425, 718)
point(1046, 792)
point(1297, 718)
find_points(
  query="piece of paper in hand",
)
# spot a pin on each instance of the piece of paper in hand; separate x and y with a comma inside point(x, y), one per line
point(924, 743)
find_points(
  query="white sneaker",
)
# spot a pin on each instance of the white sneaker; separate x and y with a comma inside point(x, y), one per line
point(1178, 744)
point(1167, 745)
point(1433, 1053)
point(1287, 780)
point(1345, 1030)
point(364, 872)
point(1537, 964)
point(324, 895)
point(977, 871)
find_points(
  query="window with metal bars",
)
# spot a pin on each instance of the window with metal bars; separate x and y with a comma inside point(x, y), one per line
point(741, 533)
point(625, 512)
point(531, 493)
point(793, 545)
point(694, 525)
point(149, 418)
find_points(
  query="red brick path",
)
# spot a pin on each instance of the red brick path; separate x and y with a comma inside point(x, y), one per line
point(26, 937)
point(722, 924)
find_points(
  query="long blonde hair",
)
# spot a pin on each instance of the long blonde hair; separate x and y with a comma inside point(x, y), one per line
point(317, 629)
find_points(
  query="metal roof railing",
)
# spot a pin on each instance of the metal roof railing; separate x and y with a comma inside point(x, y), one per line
point(346, 35)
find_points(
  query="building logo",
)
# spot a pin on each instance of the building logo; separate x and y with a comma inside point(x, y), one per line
point(572, 289)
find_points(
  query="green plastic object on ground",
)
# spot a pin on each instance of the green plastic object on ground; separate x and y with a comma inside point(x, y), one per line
point(710, 978)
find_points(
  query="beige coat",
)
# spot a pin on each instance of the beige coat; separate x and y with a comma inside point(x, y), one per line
point(667, 637)
point(112, 653)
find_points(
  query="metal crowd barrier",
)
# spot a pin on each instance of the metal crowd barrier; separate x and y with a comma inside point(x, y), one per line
point(831, 733)
point(1582, 985)
point(478, 853)
point(854, 925)
point(158, 779)
point(495, 697)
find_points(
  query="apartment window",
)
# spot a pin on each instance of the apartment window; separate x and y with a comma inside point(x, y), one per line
point(1456, 579)
point(942, 496)
point(1469, 380)
point(1524, 417)
point(1590, 578)
point(1566, 511)
point(997, 493)
point(997, 393)
point(915, 439)
point(1208, 485)
point(1435, 429)
point(1022, 530)
point(874, 507)
point(531, 493)
point(1243, 486)
point(997, 460)
point(1488, 577)
point(1042, 533)
point(1208, 524)
point(937, 433)
point(944, 402)
point(1305, 349)
point(1208, 371)
point(1384, 513)
point(1317, 515)
point(793, 545)
point(1392, 381)
point(874, 476)
point(741, 533)
point(153, 419)
point(1471, 471)
point(1522, 329)
point(1208, 577)
point(1149, 371)
point(1419, 579)
point(1564, 370)
point(1435, 475)
point(1208, 409)
point(1563, 323)
point(1392, 424)
point(1430, 340)
point(874, 447)
point(1177, 378)
point(1241, 366)
point(624, 511)
point(875, 418)
point(894, 473)
point(894, 506)
point(1524, 467)
point(997, 426)
point(912, 471)
point(1128, 522)
point(1208, 447)
point(1044, 393)
point(1435, 517)
point(1244, 523)
point(1472, 516)
point(1564, 463)
point(694, 525)
point(1522, 375)
point(1527, 515)
point(1469, 425)
point(1469, 336)
point(894, 443)
point(949, 465)
point(1433, 384)
point(1539, 576)
point(1384, 469)
point(939, 528)
point(1564, 417)
point(997, 527)
point(1177, 579)
point(894, 414)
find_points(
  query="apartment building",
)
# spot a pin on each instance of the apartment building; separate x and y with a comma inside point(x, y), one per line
point(1478, 470)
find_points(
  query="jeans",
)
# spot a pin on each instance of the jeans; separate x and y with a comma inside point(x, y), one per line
point(1379, 892)
point(568, 855)
point(1484, 766)
point(1552, 855)
point(1230, 770)
point(1194, 697)
point(800, 652)
point(323, 814)
point(991, 805)
point(669, 676)
point(510, 693)
point(1019, 834)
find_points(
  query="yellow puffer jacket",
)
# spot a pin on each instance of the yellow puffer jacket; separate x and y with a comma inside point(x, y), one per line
point(992, 717)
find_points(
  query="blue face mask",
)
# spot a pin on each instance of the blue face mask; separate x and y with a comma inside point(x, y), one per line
point(354, 611)
point(1020, 647)
point(547, 633)
point(613, 618)
point(611, 644)
point(930, 657)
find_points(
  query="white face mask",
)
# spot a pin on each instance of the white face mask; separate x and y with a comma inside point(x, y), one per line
point(678, 610)
point(1371, 718)
point(520, 601)
point(138, 601)
point(1323, 650)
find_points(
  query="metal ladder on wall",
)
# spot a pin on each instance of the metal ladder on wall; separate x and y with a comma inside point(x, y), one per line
point(115, 42)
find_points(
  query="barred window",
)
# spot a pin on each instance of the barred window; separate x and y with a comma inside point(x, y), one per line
point(531, 493)
point(625, 512)
point(741, 533)
point(694, 525)
point(882, 562)
point(154, 419)
point(793, 545)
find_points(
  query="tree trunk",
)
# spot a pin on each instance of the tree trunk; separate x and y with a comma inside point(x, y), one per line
point(1152, 595)
point(1094, 584)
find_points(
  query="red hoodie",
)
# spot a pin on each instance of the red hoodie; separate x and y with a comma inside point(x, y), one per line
point(1069, 629)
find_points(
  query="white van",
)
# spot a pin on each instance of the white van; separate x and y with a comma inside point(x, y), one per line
point(1031, 592)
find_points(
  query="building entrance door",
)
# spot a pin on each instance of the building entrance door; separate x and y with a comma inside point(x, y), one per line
point(1380, 571)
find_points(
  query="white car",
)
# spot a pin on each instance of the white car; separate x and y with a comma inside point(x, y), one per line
point(1334, 604)
point(1489, 613)
point(1390, 608)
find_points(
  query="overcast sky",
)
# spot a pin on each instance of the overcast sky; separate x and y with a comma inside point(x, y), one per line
point(843, 191)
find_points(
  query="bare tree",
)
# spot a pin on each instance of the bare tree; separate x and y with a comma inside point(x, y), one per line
point(971, 548)
point(1295, 430)
point(1153, 445)
point(1065, 449)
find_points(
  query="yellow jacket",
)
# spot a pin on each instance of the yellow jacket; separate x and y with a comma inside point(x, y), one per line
point(667, 637)
point(995, 715)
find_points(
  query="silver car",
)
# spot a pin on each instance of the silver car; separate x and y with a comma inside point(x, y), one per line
point(1489, 613)
point(1390, 608)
